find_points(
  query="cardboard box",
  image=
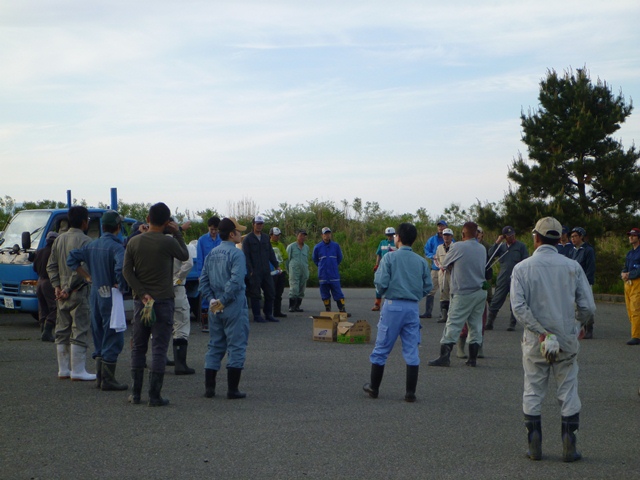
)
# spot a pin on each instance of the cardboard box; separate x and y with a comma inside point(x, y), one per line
point(336, 316)
point(324, 328)
point(359, 332)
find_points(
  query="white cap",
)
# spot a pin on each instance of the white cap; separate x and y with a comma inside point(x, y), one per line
point(258, 219)
point(275, 231)
point(390, 231)
point(447, 231)
point(326, 230)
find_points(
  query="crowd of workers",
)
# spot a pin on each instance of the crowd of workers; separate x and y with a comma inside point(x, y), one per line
point(82, 283)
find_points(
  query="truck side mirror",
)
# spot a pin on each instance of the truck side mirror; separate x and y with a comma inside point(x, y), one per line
point(26, 240)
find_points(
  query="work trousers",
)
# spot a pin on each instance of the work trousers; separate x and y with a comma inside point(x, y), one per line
point(298, 277)
point(329, 288)
point(632, 300)
point(74, 319)
point(465, 308)
point(161, 331)
point(181, 313)
point(107, 342)
point(398, 318)
point(435, 281)
point(47, 308)
point(228, 334)
point(536, 378)
point(503, 286)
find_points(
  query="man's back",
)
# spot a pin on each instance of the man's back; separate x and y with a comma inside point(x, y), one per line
point(59, 273)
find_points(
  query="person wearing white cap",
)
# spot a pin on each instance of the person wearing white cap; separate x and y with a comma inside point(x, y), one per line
point(444, 274)
point(387, 245)
point(279, 279)
point(551, 298)
point(429, 252)
point(327, 255)
point(257, 248)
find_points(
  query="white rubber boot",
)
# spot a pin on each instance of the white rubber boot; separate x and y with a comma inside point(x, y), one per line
point(460, 348)
point(64, 365)
point(78, 361)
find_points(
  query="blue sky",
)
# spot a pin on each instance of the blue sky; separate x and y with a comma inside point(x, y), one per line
point(201, 104)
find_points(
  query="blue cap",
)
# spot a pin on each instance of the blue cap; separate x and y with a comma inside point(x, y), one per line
point(442, 222)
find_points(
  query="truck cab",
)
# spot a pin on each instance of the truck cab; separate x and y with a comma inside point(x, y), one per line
point(24, 234)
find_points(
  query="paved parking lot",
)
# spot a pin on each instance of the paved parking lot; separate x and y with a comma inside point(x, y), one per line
point(306, 416)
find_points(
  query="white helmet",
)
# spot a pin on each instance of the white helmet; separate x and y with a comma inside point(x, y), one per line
point(390, 231)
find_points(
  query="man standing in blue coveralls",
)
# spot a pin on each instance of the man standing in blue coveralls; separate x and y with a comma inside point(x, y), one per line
point(222, 286)
point(327, 255)
point(206, 243)
point(403, 278)
point(430, 252)
point(104, 258)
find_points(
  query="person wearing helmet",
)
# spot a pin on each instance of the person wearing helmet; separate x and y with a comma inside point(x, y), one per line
point(387, 245)
point(585, 255)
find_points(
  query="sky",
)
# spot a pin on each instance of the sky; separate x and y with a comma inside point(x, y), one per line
point(201, 104)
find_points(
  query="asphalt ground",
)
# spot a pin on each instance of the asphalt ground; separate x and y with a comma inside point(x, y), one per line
point(306, 416)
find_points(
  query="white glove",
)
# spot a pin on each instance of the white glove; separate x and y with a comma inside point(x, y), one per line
point(550, 347)
point(215, 306)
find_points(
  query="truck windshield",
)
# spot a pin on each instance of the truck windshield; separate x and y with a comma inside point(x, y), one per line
point(31, 221)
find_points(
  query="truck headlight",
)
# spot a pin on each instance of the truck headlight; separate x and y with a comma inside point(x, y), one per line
point(28, 287)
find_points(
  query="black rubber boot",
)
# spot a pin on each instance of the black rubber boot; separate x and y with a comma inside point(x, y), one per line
point(443, 360)
point(534, 436)
point(341, 306)
point(137, 375)
point(233, 380)
point(374, 384)
point(47, 333)
point(292, 304)
point(155, 386)
point(569, 427)
point(473, 354)
point(428, 309)
point(327, 304)
point(298, 303)
point(180, 347)
point(98, 372)
point(412, 382)
point(210, 382)
point(109, 382)
point(588, 332)
point(444, 312)
point(277, 308)
point(490, 319)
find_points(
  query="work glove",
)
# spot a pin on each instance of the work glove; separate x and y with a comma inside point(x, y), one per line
point(215, 306)
point(549, 347)
point(148, 316)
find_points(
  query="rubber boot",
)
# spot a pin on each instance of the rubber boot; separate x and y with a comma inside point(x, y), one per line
point(569, 427)
point(412, 382)
point(490, 319)
point(481, 350)
point(137, 375)
point(78, 363)
point(374, 384)
point(534, 436)
point(327, 304)
point(292, 304)
point(376, 305)
point(47, 333)
point(512, 323)
point(155, 386)
point(180, 348)
point(444, 312)
point(341, 306)
point(588, 332)
point(460, 347)
point(277, 308)
point(210, 382)
point(298, 303)
point(428, 309)
point(98, 372)
point(64, 361)
point(255, 309)
point(233, 380)
point(473, 354)
point(109, 382)
point(443, 360)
